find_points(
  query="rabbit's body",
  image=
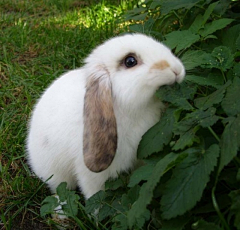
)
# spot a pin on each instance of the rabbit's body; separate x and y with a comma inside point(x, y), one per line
point(63, 125)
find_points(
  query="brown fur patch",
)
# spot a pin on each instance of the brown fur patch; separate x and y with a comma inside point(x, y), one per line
point(160, 65)
point(100, 128)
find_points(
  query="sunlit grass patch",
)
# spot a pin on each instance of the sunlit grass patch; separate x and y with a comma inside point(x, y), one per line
point(39, 40)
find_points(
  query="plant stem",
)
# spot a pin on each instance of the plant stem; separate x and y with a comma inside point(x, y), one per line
point(214, 134)
point(216, 207)
point(225, 80)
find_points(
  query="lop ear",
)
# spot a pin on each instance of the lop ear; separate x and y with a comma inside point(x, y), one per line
point(100, 128)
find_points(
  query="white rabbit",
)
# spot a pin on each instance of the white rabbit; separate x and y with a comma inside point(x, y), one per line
point(87, 125)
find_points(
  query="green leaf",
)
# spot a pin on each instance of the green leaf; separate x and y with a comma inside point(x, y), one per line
point(224, 57)
point(70, 206)
point(178, 95)
point(230, 141)
point(212, 99)
point(220, 58)
point(62, 191)
point(235, 208)
point(158, 136)
point(137, 212)
point(142, 173)
point(105, 211)
point(200, 20)
point(120, 222)
point(211, 80)
point(169, 5)
point(114, 184)
point(48, 205)
point(188, 126)
point(95, 202)
point(215, 25)
point(209, 11)
point(181, 39)
point(193, 58)
point(188, 182)
point(197, 24)
point(231, 103)
point(131, 196)
point(230, 37)
point(186, 139)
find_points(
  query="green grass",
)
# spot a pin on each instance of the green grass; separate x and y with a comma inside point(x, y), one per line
point(39, 40)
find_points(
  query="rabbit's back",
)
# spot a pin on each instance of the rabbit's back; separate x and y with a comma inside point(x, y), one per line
point(56, 130)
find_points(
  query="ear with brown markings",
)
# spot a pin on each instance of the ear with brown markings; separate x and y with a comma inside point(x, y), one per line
point(100, 128)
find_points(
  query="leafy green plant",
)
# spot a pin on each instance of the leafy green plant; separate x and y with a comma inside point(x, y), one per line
point(39, 40)
point(190, 178)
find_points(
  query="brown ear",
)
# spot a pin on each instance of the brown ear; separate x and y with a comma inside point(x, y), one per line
point(100, 128)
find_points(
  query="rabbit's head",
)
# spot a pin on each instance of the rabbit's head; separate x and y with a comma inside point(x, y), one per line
point(125, 70)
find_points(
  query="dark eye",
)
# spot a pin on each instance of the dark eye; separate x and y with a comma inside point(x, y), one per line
point(130, 61)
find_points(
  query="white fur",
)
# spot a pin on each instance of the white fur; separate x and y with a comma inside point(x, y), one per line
point(55, 139)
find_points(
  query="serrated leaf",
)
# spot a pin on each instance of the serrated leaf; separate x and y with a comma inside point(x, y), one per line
point(95, 202)
point(48, 205)
point(235, 208)
point(186, 139)
point(71, 206)
point(231, 102)
point(220, 58)
point(137, 212)
point(200, 20)
point(188, 126)
point(214, 81)
point(178, 95)
point(131, 196)
point(105, 211)
point(212, 99)
point(197, 24)
point(142, 173)
point(67, 199)
point(192, 120)
point(158, 136)
point(215, 25)
point(188, 182)
point(224, 57)
point(230, 37)
point(120, 222)
point(114, 184)
point(193, 58)
point(209, 11)
point(169, 5)
point(230, 141)
point(181, 39)
point(208, 121)
point(62, 191)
